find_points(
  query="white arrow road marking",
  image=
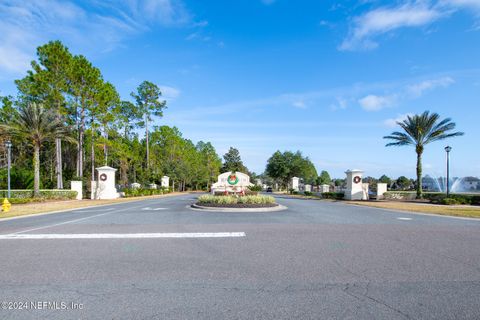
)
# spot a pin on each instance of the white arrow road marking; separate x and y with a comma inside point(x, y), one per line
point(153, 209)
point(122, 236)
point(404, 219)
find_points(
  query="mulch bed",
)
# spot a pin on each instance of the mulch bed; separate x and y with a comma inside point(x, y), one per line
point(237, 205)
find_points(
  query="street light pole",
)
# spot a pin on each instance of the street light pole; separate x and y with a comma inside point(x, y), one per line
point(448, 149)
point(8, 144)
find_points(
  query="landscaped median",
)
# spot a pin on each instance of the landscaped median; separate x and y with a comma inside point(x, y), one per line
point(59, 206)
point(250, 203)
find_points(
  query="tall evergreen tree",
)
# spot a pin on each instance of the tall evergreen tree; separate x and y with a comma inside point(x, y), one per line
point(149, 105)
point(233, 161)
point(47, 83)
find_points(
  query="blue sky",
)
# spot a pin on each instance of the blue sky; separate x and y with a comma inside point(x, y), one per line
point(327, 78)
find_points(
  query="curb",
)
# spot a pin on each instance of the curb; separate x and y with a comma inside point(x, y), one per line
point(217, 209)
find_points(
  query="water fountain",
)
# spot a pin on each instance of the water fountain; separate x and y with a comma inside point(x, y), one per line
point(457, 185)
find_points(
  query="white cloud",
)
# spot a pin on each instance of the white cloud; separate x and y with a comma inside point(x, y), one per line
point(24, 25)
point(341, 104)
point(416, 90)
point(383, 20)
point(299, 104)
point(472, 4)
point(169, 93)
point(393, 121)
point(375, 103)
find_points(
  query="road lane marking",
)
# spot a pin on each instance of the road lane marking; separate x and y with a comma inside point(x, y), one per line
point(94, 210)
point(61, 223)
point(81, 219)
point(404, 219)
point(17, 236)
point(153, 209)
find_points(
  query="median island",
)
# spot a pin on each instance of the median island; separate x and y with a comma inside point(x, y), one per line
point(236, 201)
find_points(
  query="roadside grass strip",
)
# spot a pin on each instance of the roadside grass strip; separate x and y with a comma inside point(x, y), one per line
point(122, 235)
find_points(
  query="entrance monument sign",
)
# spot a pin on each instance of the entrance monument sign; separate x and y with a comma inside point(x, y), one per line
point(232, 182)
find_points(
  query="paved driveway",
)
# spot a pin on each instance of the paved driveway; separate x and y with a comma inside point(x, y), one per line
point(158, 259)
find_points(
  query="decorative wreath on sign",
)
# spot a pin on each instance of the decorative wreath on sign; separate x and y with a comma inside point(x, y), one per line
point(357, 179)
point(103, 177)
point(232, 179)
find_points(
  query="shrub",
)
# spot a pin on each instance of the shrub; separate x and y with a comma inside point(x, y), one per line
point(333, 195)
point(226, 200)
point(25, 200)
point(435, 197)
point(44, 194)
point(140, 192)
point(308, 193)
point(449, 201)
point(255, 188)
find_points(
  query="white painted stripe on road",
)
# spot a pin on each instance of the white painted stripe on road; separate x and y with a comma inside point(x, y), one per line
point(62, 223)
point(122, 235)
point(404, 219)
point(94, 210)
point(81, 219)
point(153, 209)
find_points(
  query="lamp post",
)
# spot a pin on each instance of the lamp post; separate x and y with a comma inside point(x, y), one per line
point(447, 150)
point(8, 144)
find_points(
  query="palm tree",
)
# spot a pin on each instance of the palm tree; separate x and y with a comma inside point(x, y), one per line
point(35, 125)
point(420, 130)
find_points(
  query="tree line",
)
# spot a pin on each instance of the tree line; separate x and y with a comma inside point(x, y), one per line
point(66, 120)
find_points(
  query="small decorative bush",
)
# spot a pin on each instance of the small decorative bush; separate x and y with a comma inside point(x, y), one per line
point(449, 201)
point(255, 188)
point(333, 195)
point(308, 193)
point(140, 192)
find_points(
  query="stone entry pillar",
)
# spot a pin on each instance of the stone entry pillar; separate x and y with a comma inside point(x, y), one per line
point(381, 189)
point(165, 182)
point(77, 186)
point(295, 183)
point(355, 190)
point(104, 188)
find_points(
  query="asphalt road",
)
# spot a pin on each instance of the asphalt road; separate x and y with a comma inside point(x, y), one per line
point(316, 260)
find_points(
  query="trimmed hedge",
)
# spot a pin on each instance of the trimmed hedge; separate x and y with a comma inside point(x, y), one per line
point(140, 192)
point(436, 197)
point(44, 194)
point(333, 195)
